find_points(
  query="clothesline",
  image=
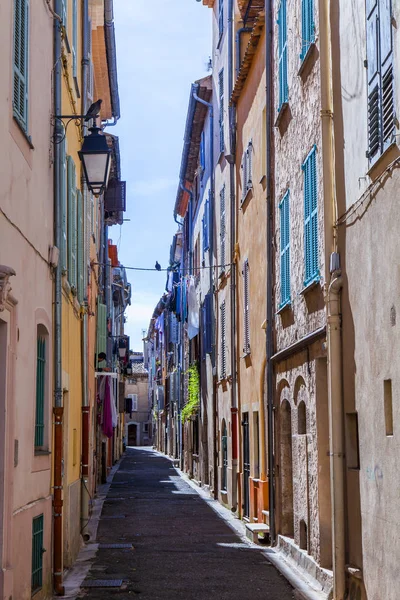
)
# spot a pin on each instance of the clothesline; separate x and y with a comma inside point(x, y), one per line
point(168, 269)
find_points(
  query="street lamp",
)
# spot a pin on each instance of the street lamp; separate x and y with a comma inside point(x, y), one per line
point(122, 347)
point(96, 160)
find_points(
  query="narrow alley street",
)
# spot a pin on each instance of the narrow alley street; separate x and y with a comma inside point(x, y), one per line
point(177, 547)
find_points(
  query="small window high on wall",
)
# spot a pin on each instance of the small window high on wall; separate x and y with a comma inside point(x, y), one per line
point(41, 388)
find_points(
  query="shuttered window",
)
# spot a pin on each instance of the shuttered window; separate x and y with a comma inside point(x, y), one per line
point(220, 17)
point(63, 200)
point(20, 62)
point(310, 217)
point(101, 328)
point(74, 48)
point(381, 110)
point(72, 223)
point(64, 12)
point(307, 26)
point(134, 398)
point(221, 110)
point(222, 233)
point(37, 553)
point(282, 55)
point(202, 153)
point(207, 325)
point(40, 390)
point(284, 209)
point(223, 341)
point(247, 170)
point(246, 308)
point(206, 222)
point(80, 247)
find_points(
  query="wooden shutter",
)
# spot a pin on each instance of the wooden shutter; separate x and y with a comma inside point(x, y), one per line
point(222, 233)
point(37, 553)
point(282, 55)
point(221, 110)
point(101, 327)
point(40, 391)
point(63, 199)
point(246, 307)
point(203, 330)
point(206, 220)
point(285, 249)
point(244, 176)
point(386, 67)
point(72, 222)
point(20, 62)
point(310, 217)
point(80, 248)
point(307, 26)
point(223, 341)
point(249, 154)
point(134, 402)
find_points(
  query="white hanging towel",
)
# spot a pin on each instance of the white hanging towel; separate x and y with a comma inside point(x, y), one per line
point(114, 414)
point(193, 310)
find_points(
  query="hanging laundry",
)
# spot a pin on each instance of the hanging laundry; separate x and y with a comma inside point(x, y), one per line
point(114, 414)
point(193, 310)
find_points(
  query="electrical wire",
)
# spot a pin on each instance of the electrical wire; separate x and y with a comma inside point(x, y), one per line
point(168, 270)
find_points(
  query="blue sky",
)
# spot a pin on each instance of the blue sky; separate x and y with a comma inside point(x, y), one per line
point(162, 47)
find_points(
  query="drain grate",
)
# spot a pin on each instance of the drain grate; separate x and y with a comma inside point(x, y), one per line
point(114, 546)
point(99, 583)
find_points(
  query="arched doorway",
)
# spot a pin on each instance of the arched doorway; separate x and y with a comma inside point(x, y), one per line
point(132, 434)
point(286, 469)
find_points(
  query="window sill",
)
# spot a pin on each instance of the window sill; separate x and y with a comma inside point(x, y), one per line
point(24, 133)
point(221, 155)
point(282, 112)
point(248, 194)
point(310, 285)
point(306, 61)
point(284, 307)
point(224, 493)
point(39, 452)
point(383, 161)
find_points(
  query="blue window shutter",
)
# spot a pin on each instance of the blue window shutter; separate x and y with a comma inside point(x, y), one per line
point(221, 110)
point(72, 222)
point(202, 152)
point(206, 219)
point(282, 52)
point(74, 38)
point(284, 208)
point(223, 341)
point(310, 217)
point(80, 248)
point(307, 26)
point(221, 17)
point(20, 62)
point(64, 12)
point(208, 323)
point(222, 233)
point(203, 331)
point(63, 199)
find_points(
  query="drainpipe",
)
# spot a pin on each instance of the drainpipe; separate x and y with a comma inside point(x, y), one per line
point(58, 391)
point(270, 241)
point(232, 152)
point(238, 49)
point(211, 283)
point(85, 345)
point(109, 33)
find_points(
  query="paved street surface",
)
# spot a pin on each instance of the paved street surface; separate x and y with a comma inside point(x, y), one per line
point(181, 549)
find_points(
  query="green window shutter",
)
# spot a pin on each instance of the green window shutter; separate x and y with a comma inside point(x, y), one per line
point(40, 391)
point(63, 200)
point(74, 38)
point(81, 248)
point(37, 552)
point(222, 234)
point(307, 26)
point(246, 308)
point(310, 217)
point(282, 53)
point(101, 327)
point(72, 223)
point(20, 62)
point(285, 249)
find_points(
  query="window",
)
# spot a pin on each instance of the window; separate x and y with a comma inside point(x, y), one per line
point(40, 390)
point(307, 26)
point(74, 39)
point(247, 170)
point(205, 223)
point(222, 233)
point(221, 110)
point(207, 325)
point(72, 223)
point(301, 419)
point(352, 441)
point(246, 314)
point(145, 428)
point(37, 553)
point(21, 59)
point(101, 328)
point(283, 59)
point(80, 248)
point(63, 195)
point(202, 153)
point(381, 112)
point(221, 17)
point(310, 218)
point(134, 398)
point(196, 257)
point(195, 425)
point(285, 250)
point(388, 405)
point(223, 341)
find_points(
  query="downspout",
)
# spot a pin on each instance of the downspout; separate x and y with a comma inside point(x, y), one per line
point(270, 240)
point(232, 151)
point(333, 274)
point(238, 48)
point(85, 347)
point(109, 32)
point(58, 390)
point(211, 284)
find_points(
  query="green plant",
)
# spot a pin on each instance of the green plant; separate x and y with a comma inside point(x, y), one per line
point(193, 402)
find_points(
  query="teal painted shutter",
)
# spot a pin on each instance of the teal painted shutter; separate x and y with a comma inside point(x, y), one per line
point(221, 110)
point(40, 391)
point(20, 66)
point(246, 307)
point(37, 552)
point(307, 26)
point(64, 12)
point(63, 200)
point(282, 52)
point(222, 233)
point(74, 38)
point(284, 208)
point(101, 328)
point(223, 341)
point(80, 248)
point(310, 217)
point(72, 222)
